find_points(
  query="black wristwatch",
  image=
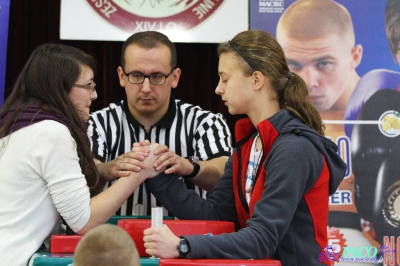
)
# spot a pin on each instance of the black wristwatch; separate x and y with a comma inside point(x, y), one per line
point(183, 248)
point(195, 162)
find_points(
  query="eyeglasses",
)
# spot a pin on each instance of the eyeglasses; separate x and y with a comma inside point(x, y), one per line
point(154, 78)
point(241, 54)
point(89, 87)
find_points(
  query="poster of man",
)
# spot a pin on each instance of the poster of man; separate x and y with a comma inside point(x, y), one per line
point(347, 53)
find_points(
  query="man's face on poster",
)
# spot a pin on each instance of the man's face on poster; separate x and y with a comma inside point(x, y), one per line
point(324, 63)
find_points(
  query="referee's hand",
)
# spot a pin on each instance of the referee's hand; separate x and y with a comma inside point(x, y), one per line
point(123, 165)
point(169, 160)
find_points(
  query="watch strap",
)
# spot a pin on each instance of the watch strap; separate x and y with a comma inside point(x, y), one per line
point(183, 248)
point(196, 168)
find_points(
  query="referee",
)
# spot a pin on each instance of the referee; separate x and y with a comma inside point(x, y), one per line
point(199, 140)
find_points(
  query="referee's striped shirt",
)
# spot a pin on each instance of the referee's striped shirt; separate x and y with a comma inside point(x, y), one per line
point(185, 129)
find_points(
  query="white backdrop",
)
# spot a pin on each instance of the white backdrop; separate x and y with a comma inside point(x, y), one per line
point(95, 19)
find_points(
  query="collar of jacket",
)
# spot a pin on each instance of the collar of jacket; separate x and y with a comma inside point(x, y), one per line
point(246, 132)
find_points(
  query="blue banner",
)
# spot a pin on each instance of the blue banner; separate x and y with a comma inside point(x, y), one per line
point(4, 14)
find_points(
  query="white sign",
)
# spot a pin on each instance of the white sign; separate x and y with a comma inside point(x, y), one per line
point(204, 21)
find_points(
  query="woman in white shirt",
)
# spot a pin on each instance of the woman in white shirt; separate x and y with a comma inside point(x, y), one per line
point(47, 170)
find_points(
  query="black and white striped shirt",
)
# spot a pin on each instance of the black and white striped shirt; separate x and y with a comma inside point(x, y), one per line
point(185, 129)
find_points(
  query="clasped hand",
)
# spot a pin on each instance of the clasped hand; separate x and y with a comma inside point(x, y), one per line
point(167, 159)
point(134, 161)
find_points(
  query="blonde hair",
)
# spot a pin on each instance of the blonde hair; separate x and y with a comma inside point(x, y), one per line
point(106, 245)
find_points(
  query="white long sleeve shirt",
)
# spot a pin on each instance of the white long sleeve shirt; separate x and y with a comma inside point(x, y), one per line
point(40, 179)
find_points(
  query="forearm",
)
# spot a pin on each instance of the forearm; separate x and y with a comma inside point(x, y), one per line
point(185, 203)
point(122, 166)
point(210, 172)
point(173, 194)
point(230, 246)
point(105, 204)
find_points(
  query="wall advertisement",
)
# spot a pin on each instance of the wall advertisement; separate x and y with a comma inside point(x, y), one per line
point(347, 53)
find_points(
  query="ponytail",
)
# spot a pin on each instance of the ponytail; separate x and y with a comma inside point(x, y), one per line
point(297, 101)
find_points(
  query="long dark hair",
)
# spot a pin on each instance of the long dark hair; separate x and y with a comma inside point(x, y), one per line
point(46, 80)
point(263, 53)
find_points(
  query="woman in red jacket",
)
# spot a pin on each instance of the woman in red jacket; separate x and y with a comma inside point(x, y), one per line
point(277, 183)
